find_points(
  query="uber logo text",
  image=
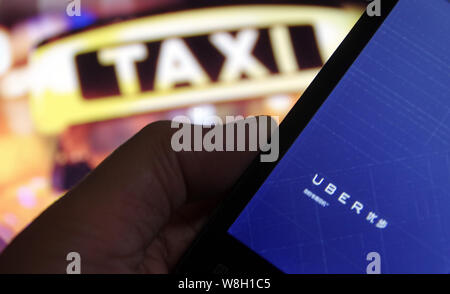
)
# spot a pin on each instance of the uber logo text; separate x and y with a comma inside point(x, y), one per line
point(345, 199)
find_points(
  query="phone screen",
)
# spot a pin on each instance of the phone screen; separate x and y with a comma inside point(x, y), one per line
point(368, 180)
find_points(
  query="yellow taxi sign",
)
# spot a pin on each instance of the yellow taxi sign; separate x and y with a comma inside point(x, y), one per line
point(182, 58)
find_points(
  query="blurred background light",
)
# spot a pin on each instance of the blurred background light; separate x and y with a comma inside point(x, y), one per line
point(5, 51)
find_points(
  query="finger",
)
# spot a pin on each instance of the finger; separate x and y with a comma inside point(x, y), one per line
point(175, 237)
point(145, 181)
point(120, 207)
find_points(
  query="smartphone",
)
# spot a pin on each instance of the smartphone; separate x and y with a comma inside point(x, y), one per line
point(363, 181)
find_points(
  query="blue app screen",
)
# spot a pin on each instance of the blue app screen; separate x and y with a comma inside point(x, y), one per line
point(369, 177)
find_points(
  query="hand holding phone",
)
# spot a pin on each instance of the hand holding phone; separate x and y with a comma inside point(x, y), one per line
point(365, 167)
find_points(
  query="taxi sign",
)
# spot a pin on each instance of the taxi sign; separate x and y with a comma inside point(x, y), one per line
point(178, 59)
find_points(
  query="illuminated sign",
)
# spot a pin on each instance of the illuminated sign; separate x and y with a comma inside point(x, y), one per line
point(182, 58)
point(5, 52)
point(197, 62)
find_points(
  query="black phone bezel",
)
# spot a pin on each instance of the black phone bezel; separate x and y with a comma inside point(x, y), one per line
point(215, 250)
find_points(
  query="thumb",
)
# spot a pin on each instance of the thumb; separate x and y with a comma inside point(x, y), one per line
point(120, 207)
